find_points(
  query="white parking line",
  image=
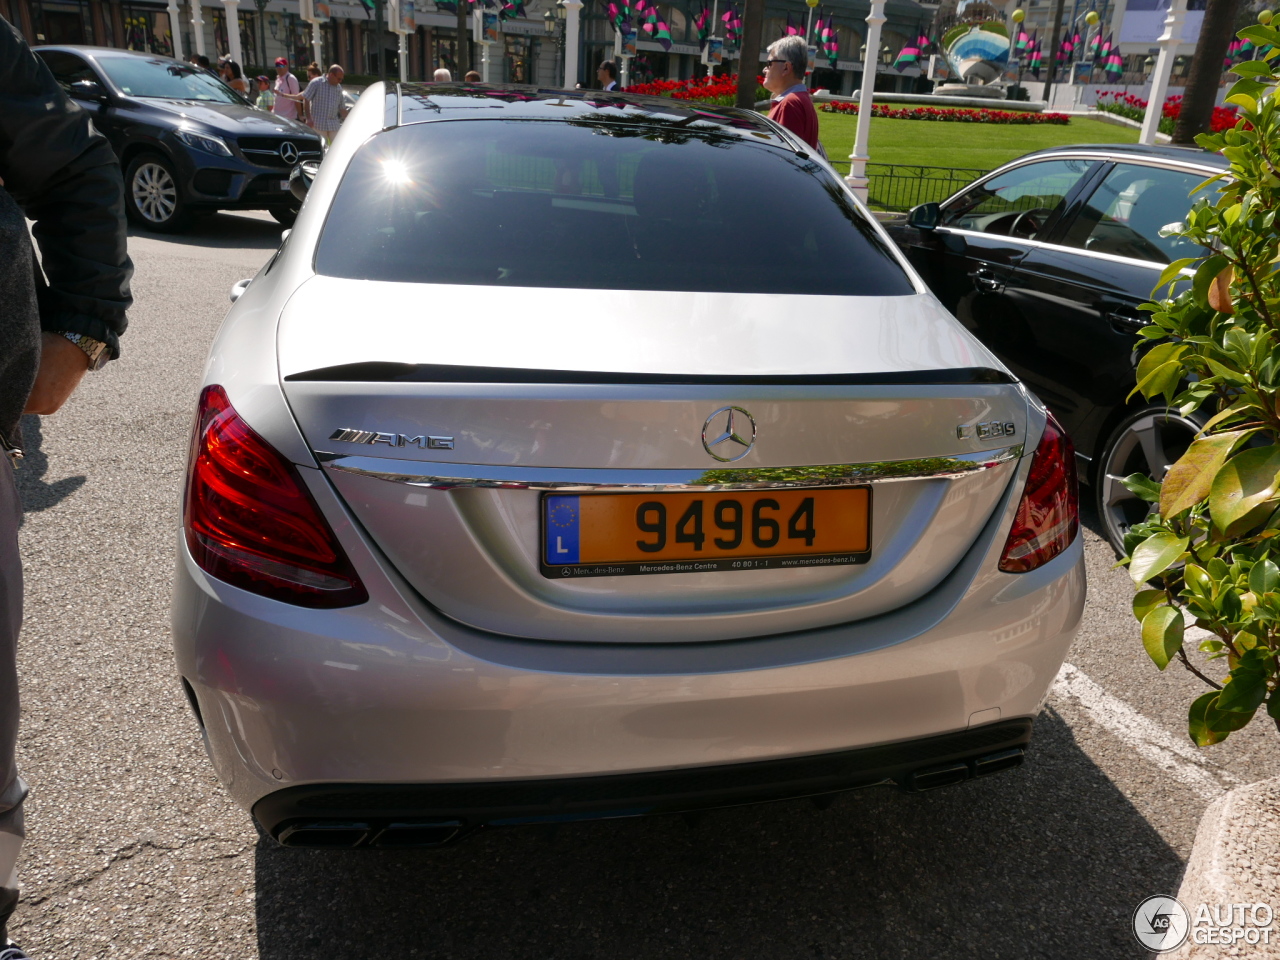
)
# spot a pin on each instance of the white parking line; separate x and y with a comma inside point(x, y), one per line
point(1150, 740)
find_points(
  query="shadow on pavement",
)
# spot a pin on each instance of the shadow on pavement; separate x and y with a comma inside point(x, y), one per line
point(1045, 861)
point(36, 494)
point(221, 230)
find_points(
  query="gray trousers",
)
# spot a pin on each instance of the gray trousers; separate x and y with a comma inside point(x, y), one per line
point(12, 790)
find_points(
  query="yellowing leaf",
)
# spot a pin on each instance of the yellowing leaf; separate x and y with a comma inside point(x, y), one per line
point(1189, 480)
point(1162, 634)
point(1144, 601)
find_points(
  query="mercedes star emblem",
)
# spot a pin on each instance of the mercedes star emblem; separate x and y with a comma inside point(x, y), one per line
point(288, 153)
point(722, 428)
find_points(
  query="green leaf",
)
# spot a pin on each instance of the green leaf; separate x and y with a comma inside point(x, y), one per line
point(1144, 601)
point(1264, 577)
point(1244, 482)
point(1142, 486)
point(1252, 68)
point(1173, 271)
point(1161, 381)
point(1198, 724)
point(1261, 36)
point(1273, 704)
point(1156, 554)
point(1243, 100)
point(1246, 688)
point(1189, 480)
point(1162, 634)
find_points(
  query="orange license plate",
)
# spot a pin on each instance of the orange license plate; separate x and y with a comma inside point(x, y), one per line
point(617, 534)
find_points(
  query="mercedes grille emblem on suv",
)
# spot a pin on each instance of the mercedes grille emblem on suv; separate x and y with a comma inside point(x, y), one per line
point(722, 428)
point(288, 153)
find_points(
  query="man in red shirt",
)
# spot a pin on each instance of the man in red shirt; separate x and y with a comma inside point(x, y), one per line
point(784, 70)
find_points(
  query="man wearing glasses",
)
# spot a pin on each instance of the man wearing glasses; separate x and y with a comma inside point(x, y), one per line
point(784, 78)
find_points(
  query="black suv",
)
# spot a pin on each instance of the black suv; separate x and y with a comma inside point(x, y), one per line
point(186, 141)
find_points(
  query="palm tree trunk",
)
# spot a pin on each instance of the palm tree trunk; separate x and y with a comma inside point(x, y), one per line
point(1206, 70)
point(463, 61)
point(749, 55)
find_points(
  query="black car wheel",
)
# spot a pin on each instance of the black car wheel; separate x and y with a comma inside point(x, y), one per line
point(1149, 442)
point(152, 195)
point(285, 216)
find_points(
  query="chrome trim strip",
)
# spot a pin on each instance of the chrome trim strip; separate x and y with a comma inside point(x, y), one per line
point(446, 476)
point(1074, 251)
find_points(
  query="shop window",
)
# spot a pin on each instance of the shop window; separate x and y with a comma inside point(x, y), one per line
point(146, 29)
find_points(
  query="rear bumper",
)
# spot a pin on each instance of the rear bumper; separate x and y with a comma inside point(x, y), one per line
point(391, 692)
point(398, 814)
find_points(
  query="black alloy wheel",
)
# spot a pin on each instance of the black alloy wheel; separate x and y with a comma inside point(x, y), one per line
point(1149, 442)
point(152, 195)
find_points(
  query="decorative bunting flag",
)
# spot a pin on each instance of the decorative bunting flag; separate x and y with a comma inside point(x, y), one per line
point(1233, 50)
point(913, 52)
point(1075, 41)
point(1022, 42)
point(654, 25)
point(1115, 62)
point(1096, 51)
point(830, 43)
point(732, 20)
point(702, 22)
point(1036, 57)
point(1246, 50)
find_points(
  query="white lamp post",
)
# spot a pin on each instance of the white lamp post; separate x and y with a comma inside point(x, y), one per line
point(1168, 44)
point(233, 29)
point(197, 27)
point(857, 178)
point(571, 8)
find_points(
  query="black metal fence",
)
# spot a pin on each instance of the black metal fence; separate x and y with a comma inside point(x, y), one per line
point(896, 186)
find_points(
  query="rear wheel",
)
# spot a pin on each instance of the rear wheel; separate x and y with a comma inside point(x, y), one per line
point(1147, 442)
point(152, 195)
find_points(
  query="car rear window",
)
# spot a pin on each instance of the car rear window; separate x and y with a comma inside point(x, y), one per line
point(621, 204)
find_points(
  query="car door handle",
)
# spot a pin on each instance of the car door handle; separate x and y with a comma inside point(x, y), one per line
point(984, 279)
point(1126, 320)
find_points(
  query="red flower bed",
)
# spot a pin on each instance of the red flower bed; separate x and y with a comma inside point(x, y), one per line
point(949, 116)
point(722, 90)
point(1135, 108)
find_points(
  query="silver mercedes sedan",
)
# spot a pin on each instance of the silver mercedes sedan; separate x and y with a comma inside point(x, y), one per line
point(583, 455)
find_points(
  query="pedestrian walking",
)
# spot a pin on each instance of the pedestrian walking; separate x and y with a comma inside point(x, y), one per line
point(313, 71)
point(285, 82)
point(323, 98)
point(784, 69)
point(232, 75)
point(266, 99)
point(57, 321)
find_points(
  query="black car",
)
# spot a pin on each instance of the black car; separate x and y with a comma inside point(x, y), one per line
point(186, 141)
point(1047, 260)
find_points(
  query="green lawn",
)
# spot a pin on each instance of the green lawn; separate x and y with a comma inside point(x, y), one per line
point(981, 146)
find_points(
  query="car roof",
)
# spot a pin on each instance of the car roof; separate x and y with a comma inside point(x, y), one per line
point(100, 51)
point(1155, 152)
point(664, 117)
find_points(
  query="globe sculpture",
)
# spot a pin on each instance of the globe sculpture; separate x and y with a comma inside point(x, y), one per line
point(977, 54)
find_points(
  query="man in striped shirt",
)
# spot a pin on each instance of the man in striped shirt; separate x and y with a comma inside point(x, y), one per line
point(324, 95)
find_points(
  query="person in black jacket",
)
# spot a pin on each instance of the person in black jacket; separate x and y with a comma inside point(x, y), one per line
point(57, 321)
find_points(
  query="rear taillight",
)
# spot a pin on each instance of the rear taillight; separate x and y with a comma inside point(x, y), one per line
point(1049, 513)
point(250, 520)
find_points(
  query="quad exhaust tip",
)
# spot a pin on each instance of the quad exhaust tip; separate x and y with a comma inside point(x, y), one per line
point(944, 775)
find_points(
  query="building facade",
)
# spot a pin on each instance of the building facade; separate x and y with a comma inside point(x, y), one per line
point(530, 48)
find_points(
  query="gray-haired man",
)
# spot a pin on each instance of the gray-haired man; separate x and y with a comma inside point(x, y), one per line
point(784, 69)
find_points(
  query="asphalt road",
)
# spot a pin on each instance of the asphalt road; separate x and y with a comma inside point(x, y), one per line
point(134, 851)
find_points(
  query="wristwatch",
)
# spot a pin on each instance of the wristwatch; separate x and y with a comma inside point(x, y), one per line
point(97, 351)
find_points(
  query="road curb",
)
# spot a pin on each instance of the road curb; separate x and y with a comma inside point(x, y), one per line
point(1235, 860)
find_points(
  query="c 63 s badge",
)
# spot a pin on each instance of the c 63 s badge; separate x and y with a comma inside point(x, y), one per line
point(987, 430)
point(348, 435)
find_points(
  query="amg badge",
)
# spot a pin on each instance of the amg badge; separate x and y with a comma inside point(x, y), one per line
point(347, 435)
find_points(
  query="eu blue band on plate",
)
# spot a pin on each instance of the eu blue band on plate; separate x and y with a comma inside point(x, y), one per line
point(562, 529)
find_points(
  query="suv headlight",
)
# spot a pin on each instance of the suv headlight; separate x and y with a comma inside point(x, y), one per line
point(203, 141)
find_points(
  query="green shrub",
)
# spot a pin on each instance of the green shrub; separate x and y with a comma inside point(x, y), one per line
point(1210, 552)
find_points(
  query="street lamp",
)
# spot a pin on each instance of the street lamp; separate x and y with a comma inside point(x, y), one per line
point(549, 22)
